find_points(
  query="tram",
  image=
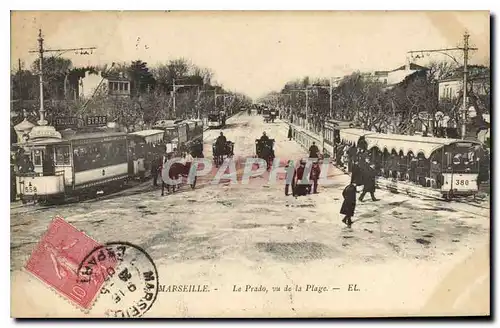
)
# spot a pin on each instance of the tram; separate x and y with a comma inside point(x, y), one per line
point(448, 166)
point(190, 136)
point(72, 165)
point(331, 135)
point(145, 146)
point(217, 120)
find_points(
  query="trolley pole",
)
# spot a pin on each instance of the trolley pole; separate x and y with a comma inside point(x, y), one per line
point(466, 55)
point(42, 120)
point(465, 49)
point(40, 52)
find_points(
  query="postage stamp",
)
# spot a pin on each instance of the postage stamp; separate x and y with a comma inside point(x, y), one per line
point(131, 278)
point(56, 259)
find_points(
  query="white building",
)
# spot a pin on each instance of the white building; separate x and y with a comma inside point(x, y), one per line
point(93, 84)
point(450, 88)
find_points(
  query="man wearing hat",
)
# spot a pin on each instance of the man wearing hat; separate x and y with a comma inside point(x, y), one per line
point(314, 176)
point(369, 183)
point(349, 203)
point(300, 188)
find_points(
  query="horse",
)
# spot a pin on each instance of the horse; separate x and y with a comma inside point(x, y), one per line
point(267, 154)
point(220, 150)
point(177, 170)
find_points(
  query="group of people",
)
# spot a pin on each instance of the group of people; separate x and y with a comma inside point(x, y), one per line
point(158, 161)
point(363, 174)
point(299, 185)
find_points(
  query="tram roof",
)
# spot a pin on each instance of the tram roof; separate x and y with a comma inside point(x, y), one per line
point(406, 143)
point(147, 133)
point(94, 135)
point(166, 123)
point(353, 134)
point(69, 138)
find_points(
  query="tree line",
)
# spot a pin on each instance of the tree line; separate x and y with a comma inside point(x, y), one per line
point(374, 105)
point(151, 92)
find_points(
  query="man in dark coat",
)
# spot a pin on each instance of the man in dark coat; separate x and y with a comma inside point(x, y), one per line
point(314, 176)
point(369, 183)
point(349, 203)
point(313, 151)
point(264, 138)
point(155, 169)
point(300, 188)
point(357, 174)
point(290, 134)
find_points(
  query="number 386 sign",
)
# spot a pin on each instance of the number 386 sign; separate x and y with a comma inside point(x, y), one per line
point(96, 120)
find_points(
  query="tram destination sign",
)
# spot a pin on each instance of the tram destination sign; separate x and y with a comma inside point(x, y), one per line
point(96, 121)
point(66, 122)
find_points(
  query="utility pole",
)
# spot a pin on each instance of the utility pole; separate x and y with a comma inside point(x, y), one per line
point(41, 51)
point(20, 90)
point(465, 49)
point(331, 97)
point(173, 93)
point(466, 55)
point(306, 91)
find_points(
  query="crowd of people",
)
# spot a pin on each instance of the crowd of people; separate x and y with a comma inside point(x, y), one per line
point(363, 174)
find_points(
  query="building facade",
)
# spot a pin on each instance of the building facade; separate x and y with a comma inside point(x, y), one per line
point(112, 85)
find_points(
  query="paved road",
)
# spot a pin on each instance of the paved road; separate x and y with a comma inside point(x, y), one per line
point(228, 234)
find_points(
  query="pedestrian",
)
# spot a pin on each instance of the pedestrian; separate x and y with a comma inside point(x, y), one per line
point(290, 133)
point(313, 150)
point(163, 175)
point(300, 188)
point(155, 169)
point(314, 176)
point(289, 178)
point(369, 183)
point(357, 174)
point(349, 203)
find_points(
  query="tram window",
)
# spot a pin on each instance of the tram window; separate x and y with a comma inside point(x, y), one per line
point(37, 157)
point(97, 155)
point(62, 155)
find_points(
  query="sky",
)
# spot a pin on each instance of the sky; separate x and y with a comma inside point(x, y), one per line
point(253, 52)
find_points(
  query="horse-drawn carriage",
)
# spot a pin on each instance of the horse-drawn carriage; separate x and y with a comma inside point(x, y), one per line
point(219, 151)
point(272, 115)
point(179, 172)
point(265, 150)
point(266, 114)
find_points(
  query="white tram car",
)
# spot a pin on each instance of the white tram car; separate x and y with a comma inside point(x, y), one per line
point(216, 120)
point(449, 167)
point(73, 165)
point(146, 144)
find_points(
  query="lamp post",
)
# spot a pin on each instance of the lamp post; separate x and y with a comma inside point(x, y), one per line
point(175, 86)
point(289, 104)
point(306, 91)
point(465, 49)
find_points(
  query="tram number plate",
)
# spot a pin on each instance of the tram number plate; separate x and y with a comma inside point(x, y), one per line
point(29, 189)
point(461, 182)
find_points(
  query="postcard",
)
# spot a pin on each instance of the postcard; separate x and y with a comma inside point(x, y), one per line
point(250, 164)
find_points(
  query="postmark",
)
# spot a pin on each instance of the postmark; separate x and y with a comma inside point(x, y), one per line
point(56, 259)
point(130, 275)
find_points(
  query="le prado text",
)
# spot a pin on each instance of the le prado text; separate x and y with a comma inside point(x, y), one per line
point(294, 288)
